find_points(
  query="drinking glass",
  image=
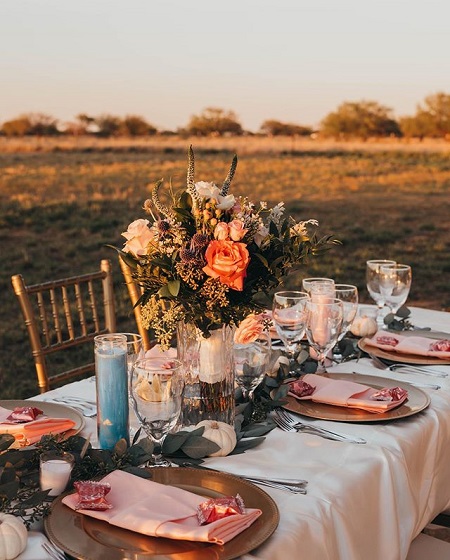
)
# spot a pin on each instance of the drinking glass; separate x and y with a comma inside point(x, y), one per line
point(135, 351)
point(323, 327)
point(395, 283)
point(289, 317)
point(250, 363)
point(308, 283)
point(373, 284)
point(156, 387)
point(348, 294)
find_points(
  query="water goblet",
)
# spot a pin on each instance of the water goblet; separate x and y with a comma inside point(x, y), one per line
point(250, 362)
point(395, 283)
point(135, 351)
point(373, 284)
point(309, 283)
point(323, 327)
point(156, 387)
point(289, 317)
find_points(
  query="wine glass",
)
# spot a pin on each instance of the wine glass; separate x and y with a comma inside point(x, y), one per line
point(308, 283)
point(289, 317)
point(250, 362)
point(323, 327)
point(348, 294)
point(395, 283)
point(156, 387)
point(373, 284)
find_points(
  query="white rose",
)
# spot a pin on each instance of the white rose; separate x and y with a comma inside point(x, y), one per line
point(225, 202)
point(138, 236)
point(207, 190)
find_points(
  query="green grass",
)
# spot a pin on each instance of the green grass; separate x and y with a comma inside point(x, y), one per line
point(59, 208)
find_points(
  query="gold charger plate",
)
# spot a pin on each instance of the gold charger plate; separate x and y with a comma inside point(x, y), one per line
point(417, 401)
point(53, 410)
point(87, 538)
point(400, 357)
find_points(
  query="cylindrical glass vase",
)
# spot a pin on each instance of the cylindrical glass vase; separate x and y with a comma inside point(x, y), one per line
point(111, 376)
point(209, 374)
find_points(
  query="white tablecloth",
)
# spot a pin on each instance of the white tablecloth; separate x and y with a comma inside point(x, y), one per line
point(364, 501)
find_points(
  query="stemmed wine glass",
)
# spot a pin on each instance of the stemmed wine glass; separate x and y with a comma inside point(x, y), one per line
point(289, 317)
point(308, 284)
point(373, 284)
point(395, 283)
point(156, 387)
point(323, 327)
point(348, 294)
point(250, 363)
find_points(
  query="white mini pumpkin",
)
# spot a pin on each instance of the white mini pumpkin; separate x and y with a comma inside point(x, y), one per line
point(221, 433)
point(364, 326)
point(13, 536)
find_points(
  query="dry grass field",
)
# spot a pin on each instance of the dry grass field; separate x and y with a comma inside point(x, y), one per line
point(62, 200)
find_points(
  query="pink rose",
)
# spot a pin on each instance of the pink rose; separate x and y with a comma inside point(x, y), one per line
point(249, 329)
point(227, 261)
point(237, 230)
point(221, 231)
point(138, 236)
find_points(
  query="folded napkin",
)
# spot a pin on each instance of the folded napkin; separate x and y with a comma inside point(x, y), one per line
point(156, 352)
point(159, 510)
point(28, 433)
point(417, 345)
point(347, 393)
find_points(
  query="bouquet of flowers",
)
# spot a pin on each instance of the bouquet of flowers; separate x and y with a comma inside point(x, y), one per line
point(203, 257)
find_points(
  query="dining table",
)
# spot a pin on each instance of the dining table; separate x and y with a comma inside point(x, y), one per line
point(364, 501)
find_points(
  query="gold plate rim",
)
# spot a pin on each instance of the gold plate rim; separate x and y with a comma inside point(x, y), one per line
point(72, 531)
point(417, 401)
point(54, 410)
point(399, 356)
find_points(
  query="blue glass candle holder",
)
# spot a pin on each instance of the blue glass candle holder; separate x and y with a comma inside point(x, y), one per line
point(112, 389)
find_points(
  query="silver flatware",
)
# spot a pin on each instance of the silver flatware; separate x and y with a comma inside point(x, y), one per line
point(53, 551)
point(397, 367)
point(86, 408)
point(296, 486)
point(288, 423)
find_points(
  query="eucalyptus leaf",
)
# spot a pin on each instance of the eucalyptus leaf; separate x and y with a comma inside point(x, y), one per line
point(137, 471)
point(9, 490)
point(8, 474)
point(174, 287)
point(244, 444)
point(259, 429)
point(120, 448)
point(198, 447)
point(35, 499)
point(6, 440)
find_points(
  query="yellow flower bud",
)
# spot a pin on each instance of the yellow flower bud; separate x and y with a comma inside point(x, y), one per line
point(213, 221)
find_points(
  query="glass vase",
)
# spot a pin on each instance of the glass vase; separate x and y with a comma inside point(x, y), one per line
point(209, 374)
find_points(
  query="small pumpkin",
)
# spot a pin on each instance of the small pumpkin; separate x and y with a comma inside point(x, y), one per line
point(13, 536)
point(220, 433)
point(364, 326)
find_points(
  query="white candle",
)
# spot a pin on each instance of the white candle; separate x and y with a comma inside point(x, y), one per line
point(55, 473)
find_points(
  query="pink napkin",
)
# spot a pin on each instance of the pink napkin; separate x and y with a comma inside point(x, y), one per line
point(31, 432)
point(159, 510)
point(346, 393)
point(417, 345)
point(156, 352)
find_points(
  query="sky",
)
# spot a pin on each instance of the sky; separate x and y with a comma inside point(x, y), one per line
point(166, 60)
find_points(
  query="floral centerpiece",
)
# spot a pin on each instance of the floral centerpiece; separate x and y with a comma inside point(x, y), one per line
point(202, 259)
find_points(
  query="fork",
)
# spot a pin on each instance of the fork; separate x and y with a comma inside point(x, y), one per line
point(381, 365)
point(53, 551)
point(289, 424)
point(407, 368)
point(86, 408)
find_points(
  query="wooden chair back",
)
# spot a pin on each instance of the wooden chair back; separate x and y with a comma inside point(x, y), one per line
point(135, 292)
point(63, 314)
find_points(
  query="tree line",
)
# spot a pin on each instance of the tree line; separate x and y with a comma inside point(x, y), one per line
point(362, 119)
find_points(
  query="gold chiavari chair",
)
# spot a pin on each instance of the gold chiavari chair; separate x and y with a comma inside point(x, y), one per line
point(135, 292)
point(62, 318)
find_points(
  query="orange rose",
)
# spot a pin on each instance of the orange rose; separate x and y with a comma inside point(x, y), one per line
point(227, 261)
point(249, 329)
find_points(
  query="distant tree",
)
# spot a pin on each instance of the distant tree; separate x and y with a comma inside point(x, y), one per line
point(364, 119)
point(420, 126)
point(133, 125)
point(108, 125)
point(437, 109)
point(19, 126)
point(214, 121)
point(42, 124)
point(277, 128)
